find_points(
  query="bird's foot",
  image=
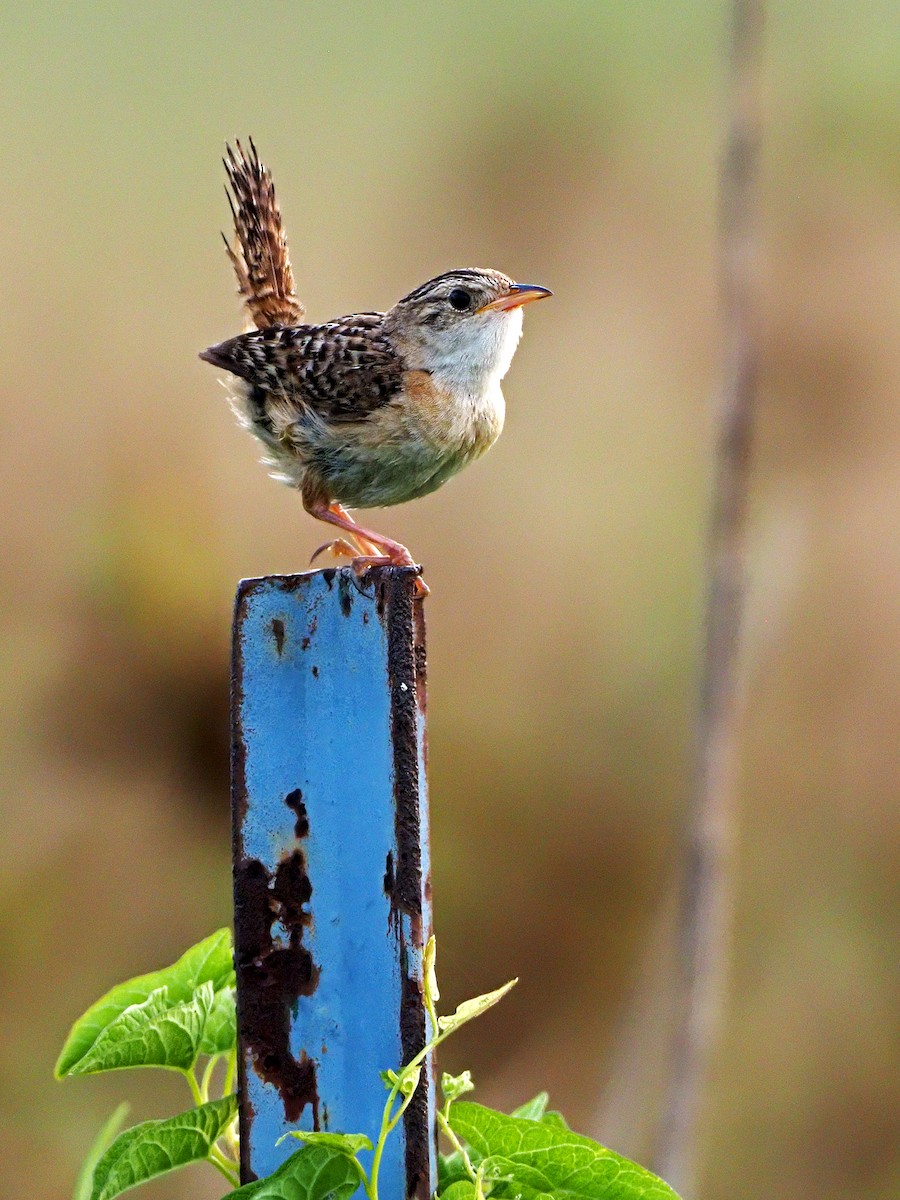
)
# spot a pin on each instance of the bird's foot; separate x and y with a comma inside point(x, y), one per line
point(341, 548)
point(362, 562)
point(338, 548)
point(396, 555)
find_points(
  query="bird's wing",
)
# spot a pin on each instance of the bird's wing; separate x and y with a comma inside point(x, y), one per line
point(341, 371)
point(260, 253)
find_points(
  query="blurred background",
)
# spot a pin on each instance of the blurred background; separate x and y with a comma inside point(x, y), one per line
point(576, 145)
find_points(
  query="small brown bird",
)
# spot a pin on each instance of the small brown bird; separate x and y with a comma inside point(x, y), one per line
point(369, 409)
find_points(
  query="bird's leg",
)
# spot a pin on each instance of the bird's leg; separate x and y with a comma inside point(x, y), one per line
point(358, 547)
point(380, 548)
point(391, 553)
point(367, 547)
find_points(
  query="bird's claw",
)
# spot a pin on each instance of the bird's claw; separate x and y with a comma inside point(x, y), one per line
point(337, 548)
point(362, 562)
point(341, 548)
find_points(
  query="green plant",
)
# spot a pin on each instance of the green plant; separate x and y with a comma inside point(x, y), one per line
point(175, 1017)
point(171, 1019)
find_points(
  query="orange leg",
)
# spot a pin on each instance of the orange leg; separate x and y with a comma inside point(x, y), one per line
point(367, 547)
point(369, 542)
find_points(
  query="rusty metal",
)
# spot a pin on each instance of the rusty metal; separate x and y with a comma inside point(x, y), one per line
point(331, 861)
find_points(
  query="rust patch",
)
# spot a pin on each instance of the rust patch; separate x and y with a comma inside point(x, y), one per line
point(291, 891)
point(420, 658)
point(294, 801)
point(315, 672)
point(273, 976)
point(403, 622)
point(415, 1119)
point(278, 634)
point(290, 583)
point(304, 643)
point(246, 1114)
point(345, 590)
point(389, 877)
point(396, 588)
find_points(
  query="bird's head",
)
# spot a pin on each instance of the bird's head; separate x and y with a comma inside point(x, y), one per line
point(463, 325)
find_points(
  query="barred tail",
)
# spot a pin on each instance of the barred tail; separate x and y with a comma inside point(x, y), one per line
point(260, 254)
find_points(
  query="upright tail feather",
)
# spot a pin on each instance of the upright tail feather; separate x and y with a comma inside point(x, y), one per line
point(260, 253)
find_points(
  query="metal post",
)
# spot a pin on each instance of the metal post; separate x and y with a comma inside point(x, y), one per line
point(331, 864)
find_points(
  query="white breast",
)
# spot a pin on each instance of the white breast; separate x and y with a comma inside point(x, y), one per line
point(474, 356)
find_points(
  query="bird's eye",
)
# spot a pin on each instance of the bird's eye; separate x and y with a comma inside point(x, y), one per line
point(460, 299)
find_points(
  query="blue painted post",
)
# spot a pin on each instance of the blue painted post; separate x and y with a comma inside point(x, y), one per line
point(331, 863)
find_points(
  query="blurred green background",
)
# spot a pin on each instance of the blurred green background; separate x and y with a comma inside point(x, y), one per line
point(574, 144)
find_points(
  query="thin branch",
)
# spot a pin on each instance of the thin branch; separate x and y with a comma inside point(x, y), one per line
point(706, 902)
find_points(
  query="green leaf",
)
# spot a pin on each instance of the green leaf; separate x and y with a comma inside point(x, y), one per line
point(312, 1173)
point(157, 1147)
point(153, 1034)
point(429, 961)
point(209, 961)
point(541, 1159)
point(220, 1030)
point(469, 1009)
point(454, 1086)
point(533, 1110)
point(451, 1169)
point(556, 1119)
point(409, 1080)
point(536, 1110)
point(347, 1143)
point(85, 1181)
point(463, 1189)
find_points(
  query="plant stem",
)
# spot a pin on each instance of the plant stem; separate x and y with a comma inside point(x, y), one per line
point(444, 1122)
point(207, 1076)
point(228, 1085)
point(233, 1140)
point(389, 1120)
point(479, 1183)
point(372, 1181)
point(224, 1165)
point(226, 1151)
point(194, 1086)
point(431, 1009)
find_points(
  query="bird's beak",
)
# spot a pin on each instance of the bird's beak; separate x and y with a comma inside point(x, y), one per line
point(518, 294)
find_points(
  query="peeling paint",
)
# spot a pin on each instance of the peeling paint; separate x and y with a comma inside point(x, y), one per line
point(294, 801)
point(273, 975)
point(278, 634)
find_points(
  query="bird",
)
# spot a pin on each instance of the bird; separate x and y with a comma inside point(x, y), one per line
point(370, 409)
